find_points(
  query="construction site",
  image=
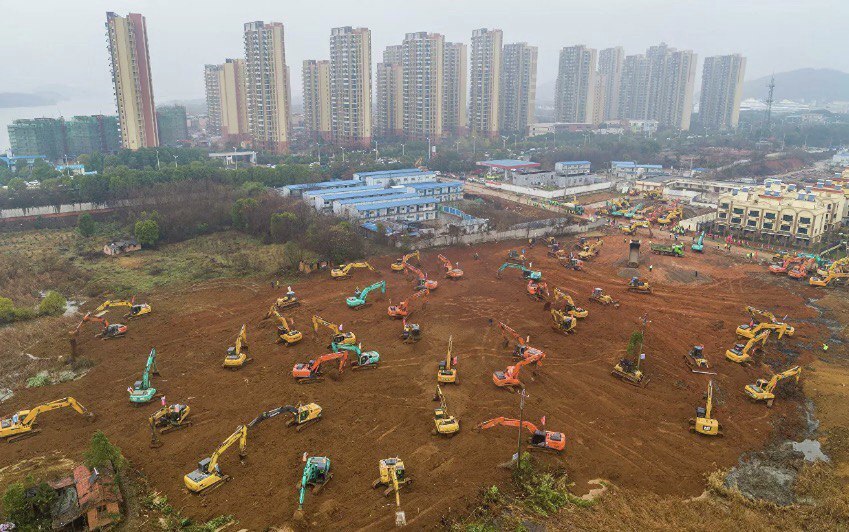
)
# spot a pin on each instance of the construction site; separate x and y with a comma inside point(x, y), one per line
point(486, 311)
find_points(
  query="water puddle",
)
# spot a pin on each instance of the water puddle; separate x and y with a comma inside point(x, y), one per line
point(812, 449)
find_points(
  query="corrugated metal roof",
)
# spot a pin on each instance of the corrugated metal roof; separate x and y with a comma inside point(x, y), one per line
point(399, 203)
point(434, 184)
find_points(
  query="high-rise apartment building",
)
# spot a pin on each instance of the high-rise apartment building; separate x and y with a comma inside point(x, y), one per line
point(634, 88)
point(389, 89)
point(267, 85)
point(316, 75)
point(173, 127)
point(599, 98)
point(575, 87)
point(610, 63)
point(350, 86)
point(485, 82)
point(672, 77)
point(518, 87)
point(212, 85)
point(226, 102)
point(423, 85)
point(722, 90)
point(132, 80)
point(455, 114)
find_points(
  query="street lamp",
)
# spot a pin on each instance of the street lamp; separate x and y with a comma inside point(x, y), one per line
point(175, 161)
point(376, 152)
point(428, 147)
point(504, 142)
point(235, 160)
point(403, 153)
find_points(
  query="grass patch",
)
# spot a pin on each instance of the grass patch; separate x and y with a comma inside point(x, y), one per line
point(38, 380)
point(172, 520)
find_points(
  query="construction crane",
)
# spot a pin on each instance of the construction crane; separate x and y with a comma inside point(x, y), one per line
point(509, 378)
point(742, 353)
point(208, 474)
point(526, 273)
point(641, 286)
point(542, 440)
point(399, 264)
point(136, 309)
point(339, 337)
point(703, 423)
point(361, 359)
point(311, 371)
point(360, 298)
point(764, 389)
point(394, 476)
point(763, 320)
point(569, 304)
point(538, 290)
point(316, 474)
point(699, 245)
point(168, 419)
point(406, 307)
point(446, 373)
point(237, 356)
point(521, 349)
point(21, 424)
point(445, 424)
point(344, 270)
point(590, 251)
point(113, 330)
point(142, 391)
point(423, 282)
point(302, 415)
point(696, 358)
point(451, 272)
point(285, 333)
point(411, 332)
point(599, 296)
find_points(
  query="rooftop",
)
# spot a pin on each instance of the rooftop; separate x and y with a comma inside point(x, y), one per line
point(380, 199)
point(393, 173)
point(395, 203)
point(356, 194)
point(327, 192)
point(323, 184)
point(508, 164)
point(434, 184)
point(574, 162)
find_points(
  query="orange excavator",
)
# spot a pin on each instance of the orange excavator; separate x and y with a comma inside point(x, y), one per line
point(509, 378)
point(783, 267)
point(543, 440)
point(538, 290)
point(423, 282)
point(450, 271)
point(801, 270)
point(311, 371)
point(113, 330)
point(405, 308)
point(521, 348)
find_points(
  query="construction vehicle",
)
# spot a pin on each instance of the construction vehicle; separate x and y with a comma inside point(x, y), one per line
point(316, 474)
point(631, 229)
point(451, 272)
point(562, 322)
point(237, 356)
point(405, 308)
point(168, 419)
point(542, 440)
point(638, 285)
point(763, 320)
point(285, 333)
point(703, 423)
point(339, 337)
point(393, 475)
point(445, 424)
point(208, 474)
point(630, 213)
point(310, 372)
point(423, 282)
point(515, 256)
point(599, 296)
point(696, 358)
point(302, 415)
point(554, 250)
point(569, 304)
point(572, 263)
point(109, 331)
point(344, 270)
point(411, 332)
point(742, 353)
point(526, 273)
point(509, 378)
point(628, 370)
point(764, 389)
point(538, 290)
point(142, 391)
point(801, 270)
point(653, 194)
point(136, 309)
point(521, 349)
point(21, 424)
point(674, 250)
point(361, 359)
point(785, 265)
point(398, 265)
point(360, 298)
point(836, 271)
point(699, 245)
point(591, 250)
point(446, 373)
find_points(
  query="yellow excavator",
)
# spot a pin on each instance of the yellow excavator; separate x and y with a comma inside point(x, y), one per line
point(136, 309)
point(703, 423)
point(446, 424)
point(632, 229)
point(569, 304)
point(393, 475)
point(21, 424)
point(398, 265)
point(208, 474)
point(285, 333)
point(339, 337)
point(168, 419)
point(763, 320)
point(237, 356)
point(344, 270)
point(837, 271)
point(447, 371)
point(562, 322)
point(764, 390)
point(742, 353)
point(590, 250)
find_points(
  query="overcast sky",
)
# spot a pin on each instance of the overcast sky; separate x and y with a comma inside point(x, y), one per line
point(44, 42)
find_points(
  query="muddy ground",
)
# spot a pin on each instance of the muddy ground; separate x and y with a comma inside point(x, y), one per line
point(634, 437)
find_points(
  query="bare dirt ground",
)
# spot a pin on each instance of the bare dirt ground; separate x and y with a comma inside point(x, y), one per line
point(635, 437)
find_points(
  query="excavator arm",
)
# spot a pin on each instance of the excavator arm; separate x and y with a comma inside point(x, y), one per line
point(381, 285)
point(509, 334)
point(506, 422)
point(341, 356)
point(709, 401)
point(33, 413)
point(149, 368)
point(795, 371)
point(241, 436)
point(268, 414)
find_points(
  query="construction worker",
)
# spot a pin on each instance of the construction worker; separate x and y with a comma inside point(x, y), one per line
point(825, 347)
point(651, 267)
point(289, 292)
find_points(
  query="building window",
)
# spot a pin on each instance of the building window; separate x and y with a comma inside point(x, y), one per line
point(738, 210)
point(787, 218)
point(754, 214)
point(769, 215)
point(735, 220)
point(767, 225)
point(804, 220)
point(752, 223)
point(785, 228)
point(802, 230)
point(723, 214)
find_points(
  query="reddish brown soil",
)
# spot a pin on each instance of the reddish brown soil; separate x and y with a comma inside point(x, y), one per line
point(635, 437)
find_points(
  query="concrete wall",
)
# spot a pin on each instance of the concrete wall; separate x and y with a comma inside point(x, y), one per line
point(551, 194)
point(691, 224)
point(510, 234)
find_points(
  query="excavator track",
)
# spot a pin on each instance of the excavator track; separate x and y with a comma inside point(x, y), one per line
point(23, 436)
point(318, 487)
point(310, 380)
point(172, 428)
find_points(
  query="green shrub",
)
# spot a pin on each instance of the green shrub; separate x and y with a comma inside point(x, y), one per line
point(102, 452)
point(86, 225)
point(36, 381)
point(29, 511)
point(53, 304)
point(147, 232)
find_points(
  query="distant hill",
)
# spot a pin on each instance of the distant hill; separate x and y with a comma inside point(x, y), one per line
point(803, 85)
point(21, 99)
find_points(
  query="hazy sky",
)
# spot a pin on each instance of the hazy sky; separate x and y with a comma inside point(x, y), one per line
point(44, 42)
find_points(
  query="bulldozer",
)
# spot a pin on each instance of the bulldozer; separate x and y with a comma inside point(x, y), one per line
point(344, 270)
point(629, 370)
point(704, 423)
point(399, 264)
point(590, 251)
point(339, 337)
point(360, 298)
point(237, 356)
point(21, 424)
point(451, 272)
point(696, 359)
point(316, 474)
point(541, 439)
point(310, 372)
point(282, 303)
point(599, 296)
point(406, 307)
point(208, 474)
point(302, 415)
point(641, 286)
point(445, 424)
point(109, 331)
point(446, 373)
point(394, 476)
point(142, 391)
point(742, 353)
point(168, 419)
point(285, 333)
point(509, 378)
point(764, 389)
point(526, 273)
point(569, 304)
point(360, 359)
point(422, 283)
point(137, 310)
point(411, 332)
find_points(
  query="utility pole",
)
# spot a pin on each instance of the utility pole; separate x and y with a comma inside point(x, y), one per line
point(158, 166)
point(769, 101)
point(235, 160)
point(521, 422)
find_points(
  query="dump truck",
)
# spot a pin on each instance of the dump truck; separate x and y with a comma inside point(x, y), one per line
point(675, 250)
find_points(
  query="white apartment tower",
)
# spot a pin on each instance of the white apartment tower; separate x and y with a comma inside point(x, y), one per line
point(316, 77)
point(610, 64)
point(423, 61)
point(485, 82)
point(267, 85)
point(350, 86)
point(722, 90)
point(575, 87)
point(455, 118)
point(389, 90)
point(518, 87)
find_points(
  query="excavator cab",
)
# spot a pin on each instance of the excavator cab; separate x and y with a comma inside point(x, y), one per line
point(696, 358)
point(411, 333)
point(113, 330)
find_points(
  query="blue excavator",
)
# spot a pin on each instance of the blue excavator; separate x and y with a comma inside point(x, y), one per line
point(142, 391)
point(359, 299)
point(316, 474)
point(526, 273)
point(699, 245)
point(361, 359)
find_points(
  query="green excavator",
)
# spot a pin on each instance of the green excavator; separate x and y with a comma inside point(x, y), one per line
point(526, 273)
point(142, 391)
point(361, 359)
point(316, 474)
point(360, 297)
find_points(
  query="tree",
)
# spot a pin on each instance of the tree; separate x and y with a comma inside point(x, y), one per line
point(86, 225)
point(241, 212)
point(28, 504)
point(7, 310)
point(17, 184)
point(284, 226)
point(102, 452)
point(634, 343)
point(147, 232)
point(53, 304)
point(42, 170)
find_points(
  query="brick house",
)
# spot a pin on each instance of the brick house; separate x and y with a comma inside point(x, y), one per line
point(87, 499)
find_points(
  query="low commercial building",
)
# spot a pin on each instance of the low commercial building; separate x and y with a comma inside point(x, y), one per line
point(549, 179)
point(348, 207)
point(442, 191)
point(506, 166)
point(410, 210)
point(353, 195)
point(387, 178)
point(631, 169)
point(299, 189)
point(316, 197)
point(572, 167)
